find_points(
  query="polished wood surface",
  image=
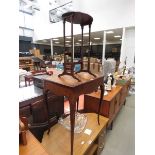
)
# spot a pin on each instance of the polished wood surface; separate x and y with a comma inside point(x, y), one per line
point(58, 140)
point(33, 146)
point(112, 102)
point(78, 18)
point(111, 106)
point(69, 81)
point(110, 96)
point(71, 88)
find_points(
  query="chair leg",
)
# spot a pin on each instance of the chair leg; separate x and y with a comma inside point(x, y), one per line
point(25, 82)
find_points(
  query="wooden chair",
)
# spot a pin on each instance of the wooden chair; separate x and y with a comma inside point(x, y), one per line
point(23, 126)
point(37, 114)
point(29, 79)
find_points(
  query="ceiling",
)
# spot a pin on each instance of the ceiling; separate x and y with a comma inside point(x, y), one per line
point(110, 39)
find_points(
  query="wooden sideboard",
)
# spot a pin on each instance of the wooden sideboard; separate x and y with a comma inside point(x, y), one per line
point(125, 88)
point(112, 102)
point(33, 147)
point(58, 140)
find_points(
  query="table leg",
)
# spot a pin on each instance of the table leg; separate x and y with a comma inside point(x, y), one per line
point(47, 108)
point(77, 104)
point(25, 82)
point(19, 81)
point(111, 126)
point(124, 102)
point(101, 101)
point(72, 102)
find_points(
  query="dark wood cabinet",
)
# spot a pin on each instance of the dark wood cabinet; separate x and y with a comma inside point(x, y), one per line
point(34, 109)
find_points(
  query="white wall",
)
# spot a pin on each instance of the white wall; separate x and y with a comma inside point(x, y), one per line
point(128, 48)
point(107, 14)
point(25, 21)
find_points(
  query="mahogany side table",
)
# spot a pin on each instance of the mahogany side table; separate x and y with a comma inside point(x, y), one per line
point(71, 88)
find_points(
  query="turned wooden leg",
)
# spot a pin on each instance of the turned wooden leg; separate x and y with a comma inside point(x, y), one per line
point(72, 103)
point(19, 81)
point(25, 82)
point(124, 102)
point(77, 105)
point(111, 125)
point(101, 101)
point(29, 82)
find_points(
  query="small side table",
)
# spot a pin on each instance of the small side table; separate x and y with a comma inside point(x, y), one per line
point(28, 78)
point(72, 89)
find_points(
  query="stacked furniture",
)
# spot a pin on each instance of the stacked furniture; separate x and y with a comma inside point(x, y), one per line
point(26, 63)
point(32, 106)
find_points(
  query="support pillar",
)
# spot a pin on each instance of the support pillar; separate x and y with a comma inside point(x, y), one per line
point(52, 48)
point(123, 52)
point(104, 46)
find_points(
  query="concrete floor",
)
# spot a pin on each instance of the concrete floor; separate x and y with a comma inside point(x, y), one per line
point(121, 139)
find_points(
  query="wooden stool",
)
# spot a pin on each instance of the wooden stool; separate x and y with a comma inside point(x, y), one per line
point(28, 78)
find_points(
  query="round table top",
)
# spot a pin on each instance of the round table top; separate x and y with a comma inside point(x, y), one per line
point(78, 18)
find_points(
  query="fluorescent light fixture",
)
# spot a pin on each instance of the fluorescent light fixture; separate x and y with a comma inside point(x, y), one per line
point(90, 43)
point(109, 32)
point(55, 39)
point(97, 38)
point(57, 42)
point(117, 36)
point(67, 41)
point(77, 43)
point(45, 41)
point(68, 37)
point(80, 40)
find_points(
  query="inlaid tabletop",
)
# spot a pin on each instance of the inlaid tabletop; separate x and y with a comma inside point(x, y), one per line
point(69, 81)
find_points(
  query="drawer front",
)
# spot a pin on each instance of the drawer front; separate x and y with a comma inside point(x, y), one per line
point(117, 103)
point(112, 108)
point(91, 105)
point(38, 83)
